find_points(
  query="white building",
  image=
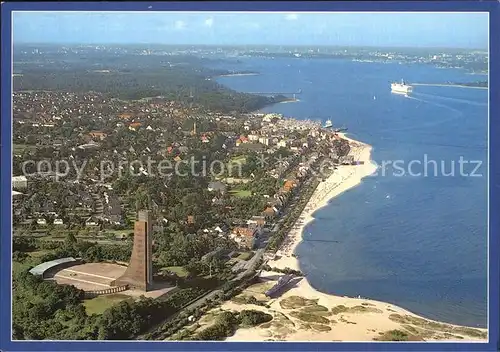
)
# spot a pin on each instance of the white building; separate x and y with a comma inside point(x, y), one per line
point(264, 140)
point(282, 144)
point(253, 137)
point(19, 182)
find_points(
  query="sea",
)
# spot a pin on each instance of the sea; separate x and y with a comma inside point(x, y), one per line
point(415, 233)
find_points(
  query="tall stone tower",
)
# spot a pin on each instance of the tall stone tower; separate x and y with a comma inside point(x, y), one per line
point(139, 273)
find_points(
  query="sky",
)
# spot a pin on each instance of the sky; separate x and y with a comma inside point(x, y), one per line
point(459, 30)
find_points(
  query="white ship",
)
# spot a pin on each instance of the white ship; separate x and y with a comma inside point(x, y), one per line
point(401, 88)
point(328, 124)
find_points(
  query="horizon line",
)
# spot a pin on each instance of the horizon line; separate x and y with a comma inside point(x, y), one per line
point(416, 46)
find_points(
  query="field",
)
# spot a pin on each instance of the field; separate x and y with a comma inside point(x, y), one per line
point(19, 148)
point(179, 270)
point(241, 193)
point(241, 159)
point(39, 253)
point(245, 255)
point(59, 234)
point(99, 304)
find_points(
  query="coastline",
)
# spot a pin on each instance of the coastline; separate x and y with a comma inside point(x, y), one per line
point(289, 101)
point(344, 178)
point(362, 319)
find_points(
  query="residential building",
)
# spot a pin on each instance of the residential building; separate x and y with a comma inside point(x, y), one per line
point(253, 137)
point(19, 182)
point(244, 236)
point(217, 186)
point(264, 140)
point(98, 135)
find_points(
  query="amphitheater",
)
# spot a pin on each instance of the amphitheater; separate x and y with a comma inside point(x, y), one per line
point(93, 278)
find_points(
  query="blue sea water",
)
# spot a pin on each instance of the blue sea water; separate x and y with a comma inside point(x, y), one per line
point(418, 241)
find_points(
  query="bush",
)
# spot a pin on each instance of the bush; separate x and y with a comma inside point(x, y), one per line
point(18, 256)
point(394, 335)
point(254, 317)
point(225, 326)
point(23, 244)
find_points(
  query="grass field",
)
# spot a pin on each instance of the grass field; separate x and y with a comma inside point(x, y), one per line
point(245, 255)
point(241, 193)
point(179, 270)
point(39, 253)
point(120, 232)
point(241, 159)
point(19, 148)
point(32, 260)
point(99, 304)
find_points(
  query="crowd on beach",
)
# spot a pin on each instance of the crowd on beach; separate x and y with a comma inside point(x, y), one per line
point(320, 198)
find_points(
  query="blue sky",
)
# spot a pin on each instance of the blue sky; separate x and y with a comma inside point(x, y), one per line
point(465, 30)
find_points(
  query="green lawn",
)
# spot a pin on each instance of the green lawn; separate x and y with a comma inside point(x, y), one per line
point(32, 260)
point(18, 267)
point(245, 255)
point(179, 270)
point(242, 159)
point(39, 253)
point(120, 232)
point(19, 148)
point(99, 304)
point(241, 193)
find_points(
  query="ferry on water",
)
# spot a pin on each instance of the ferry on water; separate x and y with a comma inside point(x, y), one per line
point(401, 88)
point(328, 124)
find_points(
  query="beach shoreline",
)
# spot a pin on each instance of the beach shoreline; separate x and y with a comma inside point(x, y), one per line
point(362, 319)
point(343, 178)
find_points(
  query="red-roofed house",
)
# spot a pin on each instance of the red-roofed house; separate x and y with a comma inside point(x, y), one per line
point(269, 213)
point(244, 236)
point(205, 139)
point(134, 126)
point(289, 185)
point(98, 135)
point(125, 116)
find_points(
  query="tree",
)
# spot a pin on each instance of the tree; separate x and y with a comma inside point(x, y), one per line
point(70, 239)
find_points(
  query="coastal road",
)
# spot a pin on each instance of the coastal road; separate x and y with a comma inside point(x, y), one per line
point(193, 305)
point(200, 301)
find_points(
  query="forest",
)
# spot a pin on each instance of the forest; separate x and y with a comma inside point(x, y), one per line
point(132, 77)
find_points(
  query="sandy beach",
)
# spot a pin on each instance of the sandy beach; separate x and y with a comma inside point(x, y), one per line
point(289, 101)
point(344, 178)
point(303, 314)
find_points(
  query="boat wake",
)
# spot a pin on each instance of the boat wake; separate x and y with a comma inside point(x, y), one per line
point(457, 114)
point(447, 85)
point(455, 100)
